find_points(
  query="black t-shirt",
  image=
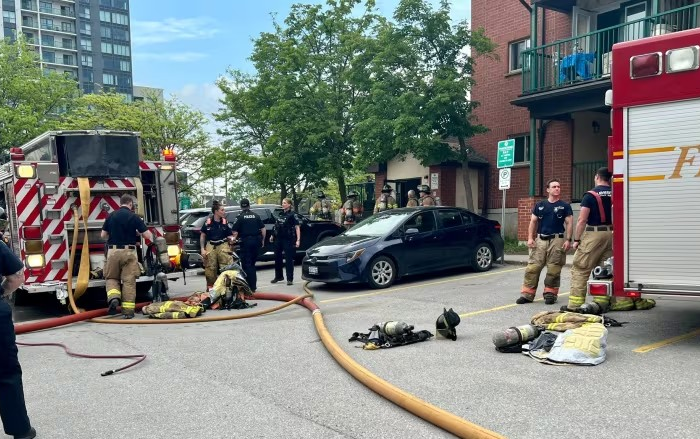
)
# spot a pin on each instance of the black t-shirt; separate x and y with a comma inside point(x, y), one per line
point(286, 221)
point(248, 224)
point(9, 263)
point(551, 216)
point(122, 226)
point(216, 230)
point(590, 202)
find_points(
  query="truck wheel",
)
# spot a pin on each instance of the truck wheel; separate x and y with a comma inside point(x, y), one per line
point(381, 272)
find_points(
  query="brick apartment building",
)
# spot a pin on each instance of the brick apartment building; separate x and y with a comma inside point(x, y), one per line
point(546, 89)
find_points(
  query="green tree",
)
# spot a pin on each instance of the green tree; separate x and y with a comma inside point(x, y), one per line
point(29, 98)
point(161, 123)
point(299, 105)
point(419, 98)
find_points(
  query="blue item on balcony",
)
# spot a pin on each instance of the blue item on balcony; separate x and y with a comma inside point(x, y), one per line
point(577, 66)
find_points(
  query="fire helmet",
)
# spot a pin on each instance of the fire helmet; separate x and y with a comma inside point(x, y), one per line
point(446, 324)
point(386, 189)
point(352, 194)
point(424, 188)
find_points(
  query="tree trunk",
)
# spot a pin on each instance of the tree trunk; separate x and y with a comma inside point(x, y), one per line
point(341, 187)
point(283, 192)
point(295, 199)
point(463, 150)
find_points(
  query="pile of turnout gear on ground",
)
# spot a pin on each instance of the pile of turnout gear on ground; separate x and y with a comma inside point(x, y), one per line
point(230, 291)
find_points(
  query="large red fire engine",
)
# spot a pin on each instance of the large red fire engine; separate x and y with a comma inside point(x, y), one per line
point(654, 154)
point(41, 194)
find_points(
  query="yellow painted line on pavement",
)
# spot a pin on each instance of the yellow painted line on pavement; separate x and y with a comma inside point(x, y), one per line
point(669, 341)
point(392, 290)
point(499, 308)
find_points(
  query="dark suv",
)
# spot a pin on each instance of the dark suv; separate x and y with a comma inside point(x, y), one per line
point(312, 231)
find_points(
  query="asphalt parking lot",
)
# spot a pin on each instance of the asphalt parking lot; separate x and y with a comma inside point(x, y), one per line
point(270, 376)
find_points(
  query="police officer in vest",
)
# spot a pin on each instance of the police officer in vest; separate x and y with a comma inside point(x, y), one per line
point(250, 229)
point(548, 236)
point(287, 237)
point(120, 229)
point(215, 243)
point(13, 409)
point(592, 236)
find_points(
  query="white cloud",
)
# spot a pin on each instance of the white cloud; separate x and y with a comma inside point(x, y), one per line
point(172, 29)
point(204, 97)
point(172, 56)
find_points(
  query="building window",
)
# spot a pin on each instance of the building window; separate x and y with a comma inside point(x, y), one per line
point(68, 60)
point(48, 57)
point(86, 60)
point(105, 32)
point(121, 4)
point(106, 47)
point(108, 79)
point(88, 75)
point(85, 28)
point(105, 16)
point(515, 51)
point(125, 66)
point(10, 33)
point(86, 44)
point(9, 17)
point(120, 19)
point(522, 149)
point(121, 50)
point(84, 11)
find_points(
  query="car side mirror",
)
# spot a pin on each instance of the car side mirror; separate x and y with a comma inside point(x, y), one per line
point(2, 213)
point(411, 231)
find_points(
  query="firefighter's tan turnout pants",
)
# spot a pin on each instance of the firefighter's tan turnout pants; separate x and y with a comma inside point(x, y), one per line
point(218, 257)
point(595, 247)
point(122, 267)
point(548, 253)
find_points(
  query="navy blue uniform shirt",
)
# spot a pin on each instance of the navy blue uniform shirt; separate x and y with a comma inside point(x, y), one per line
point(590, 202)
point(286, 221)
point(551, 216)
point(122, 225)
point(248, 224)
point(216, 230)
point(9, 262)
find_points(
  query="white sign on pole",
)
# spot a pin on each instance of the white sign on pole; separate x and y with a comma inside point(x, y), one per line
point(434, 180)
point(504, 178)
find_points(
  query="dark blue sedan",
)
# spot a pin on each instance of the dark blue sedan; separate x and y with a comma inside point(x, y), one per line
point(402, 242)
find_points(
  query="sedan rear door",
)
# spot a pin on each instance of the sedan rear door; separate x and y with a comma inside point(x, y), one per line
point(458, 237)
point(422, 251)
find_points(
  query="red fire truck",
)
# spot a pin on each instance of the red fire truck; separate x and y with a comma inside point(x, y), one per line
point(654, 154)
point(41, 194)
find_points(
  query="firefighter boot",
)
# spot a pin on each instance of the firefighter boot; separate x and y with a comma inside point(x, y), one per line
point(113, 305)
point(550, 298)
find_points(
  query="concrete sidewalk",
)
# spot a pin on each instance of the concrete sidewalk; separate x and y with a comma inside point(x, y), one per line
point(522, 259)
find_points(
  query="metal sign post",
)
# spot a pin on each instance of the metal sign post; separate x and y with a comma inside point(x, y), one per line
point(505, 159)
point(503, 184)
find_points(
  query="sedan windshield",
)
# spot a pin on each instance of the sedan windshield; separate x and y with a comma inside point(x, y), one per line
point(378, 225)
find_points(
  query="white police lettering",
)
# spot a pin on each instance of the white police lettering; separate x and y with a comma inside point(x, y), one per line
point(251, 216)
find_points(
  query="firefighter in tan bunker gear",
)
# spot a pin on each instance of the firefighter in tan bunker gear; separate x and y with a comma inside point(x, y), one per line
point(321, 208)
point(552, 220)
point(425, 198)
point(215, 243)
point(352, 210)
point(593, 244)
point(122, 229)
point(412, 200)
point(385, 200)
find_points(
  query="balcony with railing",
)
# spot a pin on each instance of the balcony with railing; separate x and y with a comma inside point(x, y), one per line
point(28, 6)
point(588, 57)
point(63, 12)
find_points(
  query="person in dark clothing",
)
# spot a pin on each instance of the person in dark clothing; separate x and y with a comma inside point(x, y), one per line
point(13, 409)
point(250, 229)
point(287, 236)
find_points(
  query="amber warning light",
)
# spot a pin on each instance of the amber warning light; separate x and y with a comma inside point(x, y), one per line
point(169, 154)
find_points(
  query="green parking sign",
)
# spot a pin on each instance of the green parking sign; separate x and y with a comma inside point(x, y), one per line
point(185, 203)
point(506, 154)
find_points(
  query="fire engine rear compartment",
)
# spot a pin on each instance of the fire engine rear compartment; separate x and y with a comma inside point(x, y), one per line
point(662, 189)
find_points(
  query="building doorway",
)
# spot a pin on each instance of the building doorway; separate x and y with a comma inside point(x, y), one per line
point(401, 188)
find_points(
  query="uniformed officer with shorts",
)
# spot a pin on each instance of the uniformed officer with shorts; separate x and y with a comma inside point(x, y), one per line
point(215, 243)
point(122, 266)
point(250, 229)
point(552, 219)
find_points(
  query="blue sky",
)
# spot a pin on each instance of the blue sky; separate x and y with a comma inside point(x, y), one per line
point(182, 46)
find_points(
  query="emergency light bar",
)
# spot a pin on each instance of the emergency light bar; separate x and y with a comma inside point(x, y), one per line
point(681, 60)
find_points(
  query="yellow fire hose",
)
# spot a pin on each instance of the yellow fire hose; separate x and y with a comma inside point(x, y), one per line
point(424, 410)
point(84, 271)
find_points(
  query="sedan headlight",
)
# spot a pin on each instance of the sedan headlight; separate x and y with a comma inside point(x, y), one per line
point(351, 256)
